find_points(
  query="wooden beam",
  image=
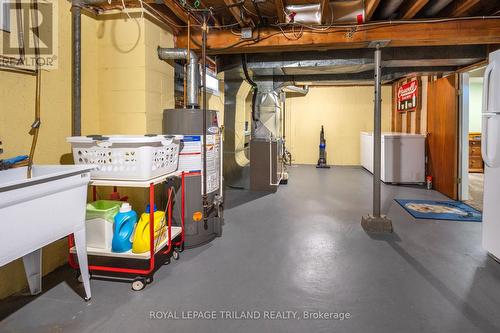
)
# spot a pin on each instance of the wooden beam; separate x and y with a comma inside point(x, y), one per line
point(459, 32)
point(410, 8)
point(235, 10)
point(370, 7)
point(459, 8)
point(214, 18)
point(177, 10)
point(325, 11)
point(280, 10)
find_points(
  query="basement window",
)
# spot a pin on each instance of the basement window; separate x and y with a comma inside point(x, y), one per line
point(4, 15)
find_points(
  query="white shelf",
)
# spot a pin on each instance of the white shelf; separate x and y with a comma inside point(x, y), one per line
point(134, 183)
point(92, 251)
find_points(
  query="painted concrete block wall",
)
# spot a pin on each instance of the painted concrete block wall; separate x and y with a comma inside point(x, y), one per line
point(122, 78)
point(343, 111)
point(125, 87)
point(159, 77)
point(17, 93)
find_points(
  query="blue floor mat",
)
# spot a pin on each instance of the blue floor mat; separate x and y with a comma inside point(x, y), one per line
point(440, 210)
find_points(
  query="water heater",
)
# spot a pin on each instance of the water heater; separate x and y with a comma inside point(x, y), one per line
point(201, 224)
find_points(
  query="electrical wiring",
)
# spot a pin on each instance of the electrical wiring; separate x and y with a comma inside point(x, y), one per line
point(235, 33)
point(390, 22)
point(296, 36)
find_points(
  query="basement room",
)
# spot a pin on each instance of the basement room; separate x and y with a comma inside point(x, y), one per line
point(249, 166)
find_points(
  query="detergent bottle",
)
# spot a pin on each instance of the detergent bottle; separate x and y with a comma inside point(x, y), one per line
point(123, 228)
point(141, 236)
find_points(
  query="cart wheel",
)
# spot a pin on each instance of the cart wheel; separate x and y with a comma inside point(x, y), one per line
point(181, 248)
point(167, 261)
point(138, 284)
point(175, 254)
point(149, 280)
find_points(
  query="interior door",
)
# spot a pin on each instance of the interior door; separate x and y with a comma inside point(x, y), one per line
point(442, 137)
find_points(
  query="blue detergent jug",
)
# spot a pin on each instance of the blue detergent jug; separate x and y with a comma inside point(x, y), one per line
point(123, 228)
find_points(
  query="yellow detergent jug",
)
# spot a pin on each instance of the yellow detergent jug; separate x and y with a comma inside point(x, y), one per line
point(141, 236)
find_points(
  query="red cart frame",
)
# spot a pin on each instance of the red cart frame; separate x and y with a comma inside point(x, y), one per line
point(152, 249)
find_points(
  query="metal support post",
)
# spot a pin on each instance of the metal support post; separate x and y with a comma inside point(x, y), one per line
point(377, 222)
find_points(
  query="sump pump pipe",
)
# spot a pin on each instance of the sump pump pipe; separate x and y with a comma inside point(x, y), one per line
point(193, 72)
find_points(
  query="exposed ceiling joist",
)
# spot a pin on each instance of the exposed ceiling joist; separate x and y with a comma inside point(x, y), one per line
point(410, 8)
point(370, 7)
point(214, 18)
point(325, 11)
point(458, 32)
point(280, 10)
point(238, 14)
point(459, 8)
point(177, 10)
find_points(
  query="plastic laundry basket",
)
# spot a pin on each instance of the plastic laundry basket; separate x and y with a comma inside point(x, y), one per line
point(130, 157)
point(99, 223)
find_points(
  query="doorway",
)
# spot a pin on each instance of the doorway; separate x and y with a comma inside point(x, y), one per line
point(471, 162)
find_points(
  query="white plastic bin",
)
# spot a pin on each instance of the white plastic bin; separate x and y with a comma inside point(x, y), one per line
point(99, 223)
point(131, 157)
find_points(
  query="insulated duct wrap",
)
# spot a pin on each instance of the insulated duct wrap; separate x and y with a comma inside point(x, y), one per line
point(341, 11)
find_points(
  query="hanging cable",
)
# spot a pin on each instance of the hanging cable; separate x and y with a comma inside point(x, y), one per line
point(252, 83)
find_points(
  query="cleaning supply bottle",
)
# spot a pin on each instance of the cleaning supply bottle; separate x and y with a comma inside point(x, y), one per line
point(123, 228)
point(141, 236)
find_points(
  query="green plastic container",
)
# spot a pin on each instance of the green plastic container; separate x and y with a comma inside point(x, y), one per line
point(104, 209)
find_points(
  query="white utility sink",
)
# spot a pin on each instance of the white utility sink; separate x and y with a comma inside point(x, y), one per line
point(38, 211)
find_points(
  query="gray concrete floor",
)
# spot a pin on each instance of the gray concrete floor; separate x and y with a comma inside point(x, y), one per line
point(301, 249)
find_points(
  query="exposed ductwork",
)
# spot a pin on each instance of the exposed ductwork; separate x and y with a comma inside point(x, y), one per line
point(342, 11)
point(193, 71)
point(308, 14)
point(435, 7)
point(388, 11)
point(296, 90)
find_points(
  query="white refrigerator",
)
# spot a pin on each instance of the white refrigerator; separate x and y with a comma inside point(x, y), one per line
point(491, 155)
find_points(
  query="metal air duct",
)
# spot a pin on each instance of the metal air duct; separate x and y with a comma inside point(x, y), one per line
point(193, 71)
point(342, 11)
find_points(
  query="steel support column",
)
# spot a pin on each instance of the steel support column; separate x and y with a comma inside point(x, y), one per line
point(377, 222)
point(377, 134)
point(76, 59)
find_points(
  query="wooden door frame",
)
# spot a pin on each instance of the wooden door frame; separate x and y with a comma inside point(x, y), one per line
point(463, 137)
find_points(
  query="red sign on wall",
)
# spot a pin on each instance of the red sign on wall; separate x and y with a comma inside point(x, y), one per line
point(407, 96)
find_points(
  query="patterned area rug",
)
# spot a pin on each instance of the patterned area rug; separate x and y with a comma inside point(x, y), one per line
point(440, 210)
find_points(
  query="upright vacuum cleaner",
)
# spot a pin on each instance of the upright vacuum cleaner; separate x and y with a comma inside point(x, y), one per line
point(322, 151)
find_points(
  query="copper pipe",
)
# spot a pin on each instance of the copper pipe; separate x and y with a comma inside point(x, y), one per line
point(35, 127)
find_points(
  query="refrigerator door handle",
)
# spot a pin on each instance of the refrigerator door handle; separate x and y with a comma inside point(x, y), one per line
point(486, 85)
point(488, 120)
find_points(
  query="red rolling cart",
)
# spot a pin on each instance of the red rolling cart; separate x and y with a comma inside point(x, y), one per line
point(128, 266)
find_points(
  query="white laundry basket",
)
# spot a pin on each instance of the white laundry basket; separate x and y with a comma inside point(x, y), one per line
point(131, 157)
